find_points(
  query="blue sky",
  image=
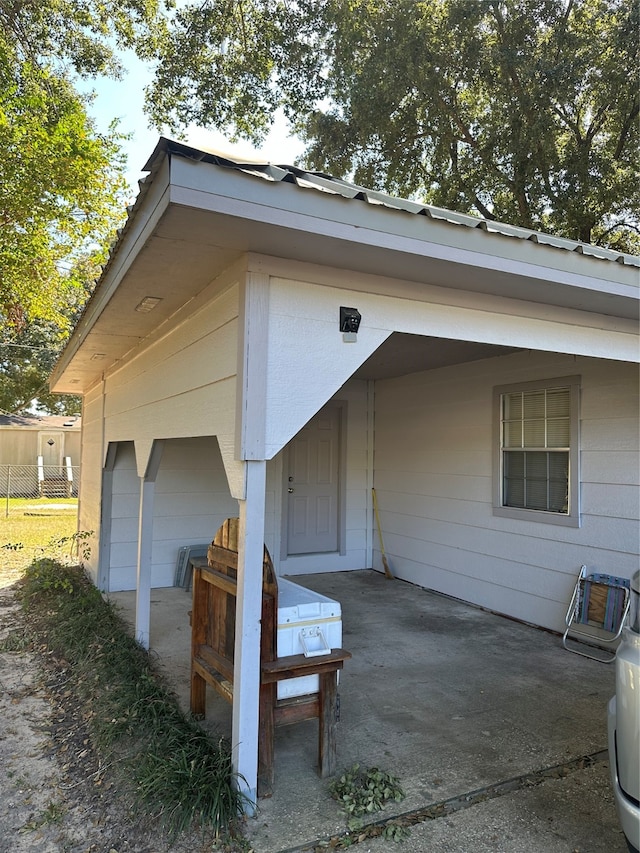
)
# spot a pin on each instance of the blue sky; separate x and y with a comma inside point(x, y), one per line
point(124, 99)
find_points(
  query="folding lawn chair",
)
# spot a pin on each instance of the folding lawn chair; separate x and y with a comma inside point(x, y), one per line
point(596, 615)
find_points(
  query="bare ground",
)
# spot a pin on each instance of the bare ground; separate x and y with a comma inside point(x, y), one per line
point(55, 794)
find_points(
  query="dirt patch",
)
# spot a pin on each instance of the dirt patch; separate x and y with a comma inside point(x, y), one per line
point(55, 794)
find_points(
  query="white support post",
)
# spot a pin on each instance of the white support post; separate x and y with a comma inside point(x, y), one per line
point(371, 386)
point(106, 514)
point(251, 388)
point(246, 681)
point(69, 473)
point(145, 543)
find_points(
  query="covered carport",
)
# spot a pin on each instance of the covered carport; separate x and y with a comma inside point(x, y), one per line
point(218, 315)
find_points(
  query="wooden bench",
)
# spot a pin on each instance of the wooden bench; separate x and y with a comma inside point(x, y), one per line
point(212, 651)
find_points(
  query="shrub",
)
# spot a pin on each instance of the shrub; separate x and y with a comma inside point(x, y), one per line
point(175, 770)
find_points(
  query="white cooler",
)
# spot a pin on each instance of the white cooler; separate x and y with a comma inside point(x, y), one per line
point(305, 618)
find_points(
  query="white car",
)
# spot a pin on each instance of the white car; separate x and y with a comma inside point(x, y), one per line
point(624, 725)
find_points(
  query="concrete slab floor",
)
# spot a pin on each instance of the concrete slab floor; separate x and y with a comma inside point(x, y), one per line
point(451, 699)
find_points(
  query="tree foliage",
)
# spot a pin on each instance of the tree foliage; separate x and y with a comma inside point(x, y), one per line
point(60, 193)
point(82, 35)
point(29, 353)
point(520, 110)
point(62, 189)
point(25, 364)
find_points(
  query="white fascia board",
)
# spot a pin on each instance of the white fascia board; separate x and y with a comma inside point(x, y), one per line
point(284, 205)
point(384, 285)
point(137, 232)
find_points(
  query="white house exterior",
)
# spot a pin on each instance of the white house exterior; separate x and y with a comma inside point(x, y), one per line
point(39, 454)
point(481, 349)
point(23, 438)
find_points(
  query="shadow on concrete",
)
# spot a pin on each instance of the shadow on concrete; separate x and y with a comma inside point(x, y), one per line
point(491, 717)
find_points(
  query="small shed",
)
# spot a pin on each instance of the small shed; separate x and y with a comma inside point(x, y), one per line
point(271, 343)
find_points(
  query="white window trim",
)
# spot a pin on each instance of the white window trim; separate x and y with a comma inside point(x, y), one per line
point(572, 518)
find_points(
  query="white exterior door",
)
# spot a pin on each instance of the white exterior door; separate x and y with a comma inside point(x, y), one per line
point(51, 447)
point(312, 482)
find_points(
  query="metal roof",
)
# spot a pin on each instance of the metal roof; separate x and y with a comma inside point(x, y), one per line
point(41, 421)
point(320, 182)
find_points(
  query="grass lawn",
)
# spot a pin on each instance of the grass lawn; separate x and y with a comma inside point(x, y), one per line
point(34, 524)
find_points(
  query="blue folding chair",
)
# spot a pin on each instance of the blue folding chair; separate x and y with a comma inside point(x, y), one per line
point(596, 615)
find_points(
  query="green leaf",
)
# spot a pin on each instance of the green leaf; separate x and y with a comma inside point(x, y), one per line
point(520, 110)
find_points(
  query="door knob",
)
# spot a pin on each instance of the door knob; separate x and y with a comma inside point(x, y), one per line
point(290, 490)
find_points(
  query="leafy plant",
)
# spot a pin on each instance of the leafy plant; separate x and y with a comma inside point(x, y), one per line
point(361, 792)
point(172, 768)
point(15, 641)
point(188, 777)
point(46, 576)
point(364, 791)
point(78, 541)
point(53, 813)
point(395, 832)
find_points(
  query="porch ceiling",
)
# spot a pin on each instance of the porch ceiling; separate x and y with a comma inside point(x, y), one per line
point(401, 354)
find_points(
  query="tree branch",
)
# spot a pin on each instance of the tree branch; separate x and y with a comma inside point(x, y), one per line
point(631, 225)
point(597, 123)
point(482, 208)
point(245, 42)
point(574, 127)
point(511, 71)
point(626, 127)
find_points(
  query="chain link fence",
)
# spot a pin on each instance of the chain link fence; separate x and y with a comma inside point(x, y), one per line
point(34, 489)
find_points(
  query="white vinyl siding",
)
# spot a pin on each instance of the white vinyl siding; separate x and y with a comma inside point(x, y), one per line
point(434, 481)
point(125, 504)
point(90, 489)
point(183, 384)
point(191, 501)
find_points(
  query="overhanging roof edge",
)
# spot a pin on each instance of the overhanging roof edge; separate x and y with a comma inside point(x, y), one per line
point(322, 182)
point(151, 188)
point(100, 298)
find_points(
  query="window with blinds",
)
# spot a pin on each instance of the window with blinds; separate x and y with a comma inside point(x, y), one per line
point(538, 448)
point(535, 445)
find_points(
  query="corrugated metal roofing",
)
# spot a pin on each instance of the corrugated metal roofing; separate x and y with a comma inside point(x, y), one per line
point(321, 182)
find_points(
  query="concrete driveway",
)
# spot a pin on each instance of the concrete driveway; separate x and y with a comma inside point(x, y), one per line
point(498, 734)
